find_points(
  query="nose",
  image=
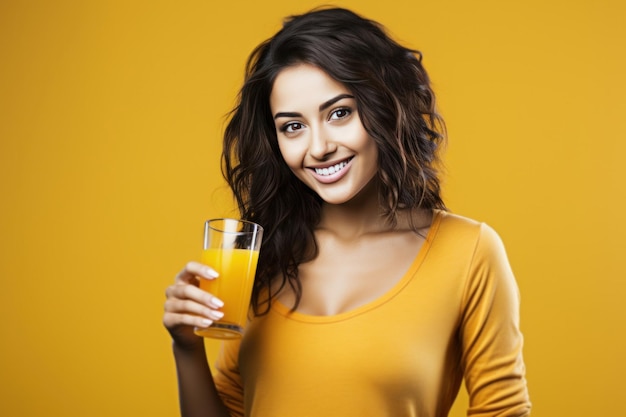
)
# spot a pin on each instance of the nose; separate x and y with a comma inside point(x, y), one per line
point(321, 145)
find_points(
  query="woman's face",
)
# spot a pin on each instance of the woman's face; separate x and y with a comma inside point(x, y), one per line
point(320, 134)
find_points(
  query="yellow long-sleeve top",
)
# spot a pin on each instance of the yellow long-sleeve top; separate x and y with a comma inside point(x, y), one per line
point(454, 315)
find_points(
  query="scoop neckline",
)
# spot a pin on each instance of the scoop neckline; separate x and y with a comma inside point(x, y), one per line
point(283, 310)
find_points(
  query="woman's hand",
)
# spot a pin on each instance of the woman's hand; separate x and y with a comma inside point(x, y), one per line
point(187, 306)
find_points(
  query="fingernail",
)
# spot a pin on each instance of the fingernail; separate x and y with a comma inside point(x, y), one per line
point(218, 314)
point(206, 322)
point(217, 302)
point(210, 273)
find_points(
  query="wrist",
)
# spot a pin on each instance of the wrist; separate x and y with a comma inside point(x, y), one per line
point(188, 347)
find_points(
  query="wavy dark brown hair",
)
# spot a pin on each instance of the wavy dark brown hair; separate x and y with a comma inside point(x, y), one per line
point(396, 105)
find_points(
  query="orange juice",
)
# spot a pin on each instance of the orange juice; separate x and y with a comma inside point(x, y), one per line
point(237, 268)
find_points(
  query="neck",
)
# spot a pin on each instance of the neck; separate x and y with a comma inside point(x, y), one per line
point(364, 215)
point(354, 218)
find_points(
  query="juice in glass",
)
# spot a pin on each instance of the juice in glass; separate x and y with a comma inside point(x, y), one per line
point(236, 268)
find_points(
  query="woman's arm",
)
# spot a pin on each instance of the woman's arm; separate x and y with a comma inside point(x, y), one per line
point(186, 307)
point(492, 340)
point(198, 395)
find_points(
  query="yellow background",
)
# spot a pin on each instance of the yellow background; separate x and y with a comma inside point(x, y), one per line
point(110, 121)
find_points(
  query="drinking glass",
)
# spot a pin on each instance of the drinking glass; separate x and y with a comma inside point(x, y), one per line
point(231, 247)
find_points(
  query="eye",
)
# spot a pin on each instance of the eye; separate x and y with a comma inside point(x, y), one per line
point(291, 127)
point(340, 113)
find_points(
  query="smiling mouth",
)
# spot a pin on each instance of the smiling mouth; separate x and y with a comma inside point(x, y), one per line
point(333, 169)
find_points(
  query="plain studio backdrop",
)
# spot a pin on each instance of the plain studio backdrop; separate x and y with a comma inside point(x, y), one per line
point(111, 115)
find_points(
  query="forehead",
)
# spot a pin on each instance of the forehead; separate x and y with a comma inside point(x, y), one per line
point(303, 86)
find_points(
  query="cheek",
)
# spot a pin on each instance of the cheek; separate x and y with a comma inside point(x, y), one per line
point(290, 153)
point(368, 146)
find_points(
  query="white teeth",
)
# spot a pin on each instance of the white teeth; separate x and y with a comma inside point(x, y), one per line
point(331, 170)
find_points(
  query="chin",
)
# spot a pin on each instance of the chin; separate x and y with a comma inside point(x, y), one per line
point(361, 195)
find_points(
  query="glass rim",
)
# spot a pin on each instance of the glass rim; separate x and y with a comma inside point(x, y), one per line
point(256, 227)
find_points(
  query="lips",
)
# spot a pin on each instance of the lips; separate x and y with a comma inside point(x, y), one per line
point(331, 169)
point(332, 173)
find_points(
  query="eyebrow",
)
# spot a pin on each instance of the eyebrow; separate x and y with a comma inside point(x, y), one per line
point(322, 107)
point(333, 100)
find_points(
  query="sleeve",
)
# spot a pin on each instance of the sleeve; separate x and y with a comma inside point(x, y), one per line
point(490, 334)
point(227, 378)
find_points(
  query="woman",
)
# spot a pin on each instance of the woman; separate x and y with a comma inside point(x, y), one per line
point(370, 298)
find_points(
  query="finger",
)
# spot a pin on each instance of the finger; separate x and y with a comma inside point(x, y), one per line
point(196, 269)
point(193, 293)
point(176, 306)
point(173, 320)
